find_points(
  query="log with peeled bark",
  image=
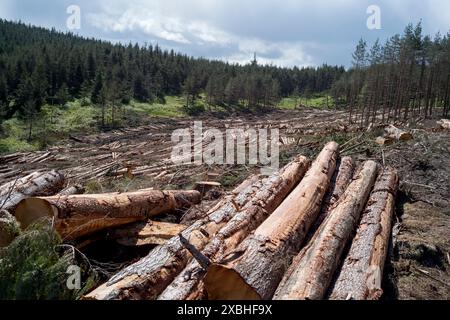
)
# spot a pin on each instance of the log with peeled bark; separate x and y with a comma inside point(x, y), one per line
point(397, 134)
point(311, 271)
point(254, 269)
point(146, 233)
point(148, 277)
point(362, 270)
point(34, 184)
point(188, 284)
point(79, 215)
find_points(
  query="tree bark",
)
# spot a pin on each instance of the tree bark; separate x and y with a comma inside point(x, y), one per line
point(254, 269)
point(312, 269)
point(362, 270)
point(34, 184)
point(79, 215)
point(146, 233)
point(188, 284)
point(148, 277)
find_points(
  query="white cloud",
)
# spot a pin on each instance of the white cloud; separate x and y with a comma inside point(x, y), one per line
point(152, 19)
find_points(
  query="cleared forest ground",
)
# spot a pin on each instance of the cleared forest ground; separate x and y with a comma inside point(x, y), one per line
point(136, 158)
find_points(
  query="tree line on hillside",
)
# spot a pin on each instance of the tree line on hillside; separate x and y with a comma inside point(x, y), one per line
point(40, 66)
point(405, 78)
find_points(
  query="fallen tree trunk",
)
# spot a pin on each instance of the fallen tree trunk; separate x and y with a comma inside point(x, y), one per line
point(311, 271)
point(145, 233)
point(255, 268)
point(79, 215)
point(147, 278)
point(34, 184)
point(362, 270)
point(397, 134)
point(187, 285)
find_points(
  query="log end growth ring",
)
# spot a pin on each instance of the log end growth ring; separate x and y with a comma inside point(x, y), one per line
point(32, 209)
point(234, 288)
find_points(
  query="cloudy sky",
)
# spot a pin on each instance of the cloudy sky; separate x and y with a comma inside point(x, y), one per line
point(282, 32)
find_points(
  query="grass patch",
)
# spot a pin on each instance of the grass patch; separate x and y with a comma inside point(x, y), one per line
point(316, 101)
point(34, 267)
point(172, 108)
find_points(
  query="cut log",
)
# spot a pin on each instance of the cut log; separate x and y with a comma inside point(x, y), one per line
point(339, 183)
point(75, 189)
point(146, 233)
point(79, 215)
point(34, 184)
point(147, 278)
point(254, 269)
point(362, 270)
point(311, 271)
point(444, 124)
point(188, 284)
point(397, 134)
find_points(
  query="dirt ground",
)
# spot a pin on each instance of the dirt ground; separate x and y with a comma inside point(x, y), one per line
point(418, 266)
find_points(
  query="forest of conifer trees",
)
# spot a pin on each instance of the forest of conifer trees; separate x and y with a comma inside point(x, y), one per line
point(405, 78)
point(39, 66)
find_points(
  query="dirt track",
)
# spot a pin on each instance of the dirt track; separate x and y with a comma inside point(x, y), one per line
point(419, 266)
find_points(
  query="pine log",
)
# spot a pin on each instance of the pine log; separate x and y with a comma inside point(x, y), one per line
point(397, 134)
point(254, 269)
point(339, 183)
point(382, 141)
point(148, 277)
point(362, 270)
point(34, 184)
point(188, 284)
point(145, 233)
point(79, 215)
point(311, 271)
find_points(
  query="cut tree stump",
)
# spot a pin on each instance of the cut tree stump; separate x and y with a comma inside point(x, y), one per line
point(145, 233)
point(188, 284)
point(204, 186)
point(362, 271)
point(148, 277)
point(254, 269)
point(34, 184)
point(397, 134)
point(311, 271)
point(444, 124)
point(79, 215)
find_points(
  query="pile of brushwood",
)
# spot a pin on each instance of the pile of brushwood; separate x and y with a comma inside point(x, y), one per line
point(312, 230)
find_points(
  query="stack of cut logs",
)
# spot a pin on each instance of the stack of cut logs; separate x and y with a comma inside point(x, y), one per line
point(309, 231)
